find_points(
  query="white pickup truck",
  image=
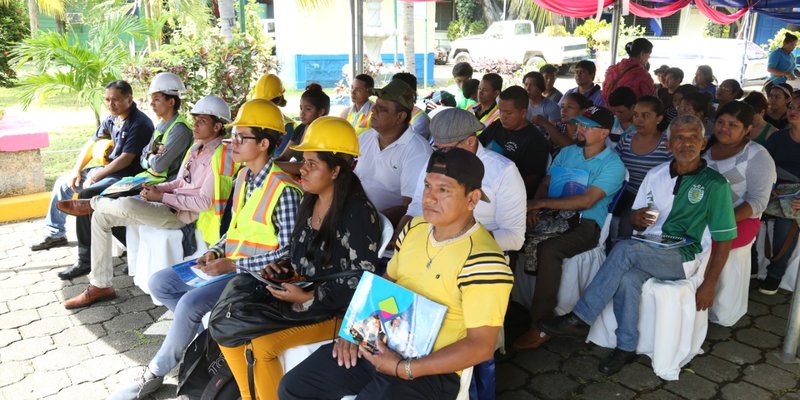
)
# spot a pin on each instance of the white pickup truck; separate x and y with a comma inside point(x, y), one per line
point(517, 41)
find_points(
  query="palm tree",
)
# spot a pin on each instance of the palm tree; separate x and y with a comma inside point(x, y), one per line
point(62, 64)
point(53, 8)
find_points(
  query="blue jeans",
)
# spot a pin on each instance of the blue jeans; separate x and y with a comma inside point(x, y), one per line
point(777, 268)
point(630, 264)
point(189, 304)
point(56, 220)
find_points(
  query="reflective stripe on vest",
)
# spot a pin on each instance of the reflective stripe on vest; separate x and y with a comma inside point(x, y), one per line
point(223, 168)
point(489, 117)
point(252, 217)
point(153, 175)
point(359, 120)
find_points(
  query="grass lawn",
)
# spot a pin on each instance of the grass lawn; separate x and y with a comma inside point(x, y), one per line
point(69, 129)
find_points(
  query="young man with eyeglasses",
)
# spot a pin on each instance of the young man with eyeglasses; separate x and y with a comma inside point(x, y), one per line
point(169, 205)
point(264, 213)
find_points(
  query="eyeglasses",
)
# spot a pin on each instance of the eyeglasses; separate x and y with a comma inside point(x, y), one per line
point(239, 139)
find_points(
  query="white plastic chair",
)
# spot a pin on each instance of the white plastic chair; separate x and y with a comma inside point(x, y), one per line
point(790, 276)
point(152, 249)
point(671, 330)
point(733, 288)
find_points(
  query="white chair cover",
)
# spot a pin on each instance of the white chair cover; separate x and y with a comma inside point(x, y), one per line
point(790, 277)
point(387, 231)
point(152, 249)
point(671, 336)
point(733, 288)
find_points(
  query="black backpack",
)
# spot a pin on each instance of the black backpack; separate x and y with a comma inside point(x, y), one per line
point(204, 374)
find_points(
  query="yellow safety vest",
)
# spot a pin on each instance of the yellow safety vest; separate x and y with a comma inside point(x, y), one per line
point(415, 116)
point(224, 169)
point(154, 176)
point(489, 117)
point(251, 231)
point(359, 120)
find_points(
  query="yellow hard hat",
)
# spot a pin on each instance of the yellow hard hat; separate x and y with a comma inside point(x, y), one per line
point(260, 113)
point(100, 150)
point(331, 134)
point(269, 86)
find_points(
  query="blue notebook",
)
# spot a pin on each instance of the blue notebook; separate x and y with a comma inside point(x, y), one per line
point(381, 310)
point(565, 182)
point(193, 276)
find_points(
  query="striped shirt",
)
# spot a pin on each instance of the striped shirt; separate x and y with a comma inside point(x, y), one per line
point(283, 219)
point(638, 164)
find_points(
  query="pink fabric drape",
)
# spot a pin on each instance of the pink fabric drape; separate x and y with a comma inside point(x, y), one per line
point(588, 8)
point(718, 16)
point(573, 8)
point(660, 12)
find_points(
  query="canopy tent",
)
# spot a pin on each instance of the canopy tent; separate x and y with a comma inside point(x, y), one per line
point(588, 8)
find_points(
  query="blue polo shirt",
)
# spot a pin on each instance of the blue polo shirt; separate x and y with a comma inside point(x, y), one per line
point(132, 136)
point(606, 172)
point(783, 61)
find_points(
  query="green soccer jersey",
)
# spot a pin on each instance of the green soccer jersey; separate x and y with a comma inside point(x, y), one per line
point(688, 204)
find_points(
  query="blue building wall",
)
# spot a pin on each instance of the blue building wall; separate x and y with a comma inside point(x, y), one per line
point(326, 69)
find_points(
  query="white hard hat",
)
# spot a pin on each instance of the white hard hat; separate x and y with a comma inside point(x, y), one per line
point(213, 105)
point(167, 83)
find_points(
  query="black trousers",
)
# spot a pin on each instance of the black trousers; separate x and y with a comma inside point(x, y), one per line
point(320, 377)
point(83, 225)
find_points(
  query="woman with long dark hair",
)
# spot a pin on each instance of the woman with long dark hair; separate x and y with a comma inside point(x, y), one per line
point(338, 230)
point(746, 164)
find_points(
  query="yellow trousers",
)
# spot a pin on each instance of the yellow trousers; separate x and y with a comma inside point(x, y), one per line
point(268, 370)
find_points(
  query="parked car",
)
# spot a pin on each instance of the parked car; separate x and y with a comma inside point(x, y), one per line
point(517, 41)
point(725, 56)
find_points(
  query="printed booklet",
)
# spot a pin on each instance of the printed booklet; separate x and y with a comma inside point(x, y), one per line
point(193, 276)
point(381, 310)
point(662, 241)
point(128, 185)
point(565, 182)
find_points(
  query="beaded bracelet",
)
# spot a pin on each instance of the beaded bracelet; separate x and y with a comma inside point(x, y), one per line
point(408, 369)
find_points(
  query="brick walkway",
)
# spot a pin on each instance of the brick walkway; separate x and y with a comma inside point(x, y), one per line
point(47, 352)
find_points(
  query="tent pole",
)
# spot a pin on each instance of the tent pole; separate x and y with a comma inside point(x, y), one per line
point(360, 38)
point(746, 38)
point(616, 17)
point(353, 34)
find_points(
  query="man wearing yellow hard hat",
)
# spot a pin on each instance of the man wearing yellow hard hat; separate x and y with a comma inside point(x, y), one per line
point(129, 130)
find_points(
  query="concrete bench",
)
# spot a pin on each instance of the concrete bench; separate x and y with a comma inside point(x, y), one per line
point(21, 174)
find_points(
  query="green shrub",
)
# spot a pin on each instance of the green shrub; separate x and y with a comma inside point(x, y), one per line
point(459, 29)
point(13, 28)
point(555, 30)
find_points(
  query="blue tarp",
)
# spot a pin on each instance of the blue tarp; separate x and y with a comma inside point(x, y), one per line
point(783, 10)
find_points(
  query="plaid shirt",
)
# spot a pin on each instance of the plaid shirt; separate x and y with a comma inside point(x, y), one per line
point(283, 219)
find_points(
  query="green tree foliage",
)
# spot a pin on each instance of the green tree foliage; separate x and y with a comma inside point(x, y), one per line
point(209, 65)
point(598, 34)
point(13, 29)
point(777, 41)
point(555, 30)
point(62, 64)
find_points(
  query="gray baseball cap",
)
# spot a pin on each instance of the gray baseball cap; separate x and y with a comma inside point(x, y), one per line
point(454, 125)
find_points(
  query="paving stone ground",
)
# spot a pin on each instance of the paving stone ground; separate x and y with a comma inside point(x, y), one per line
point(47, 352)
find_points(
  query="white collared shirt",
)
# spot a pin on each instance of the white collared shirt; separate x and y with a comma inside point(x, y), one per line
point(390, 174)
point(504, 217)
